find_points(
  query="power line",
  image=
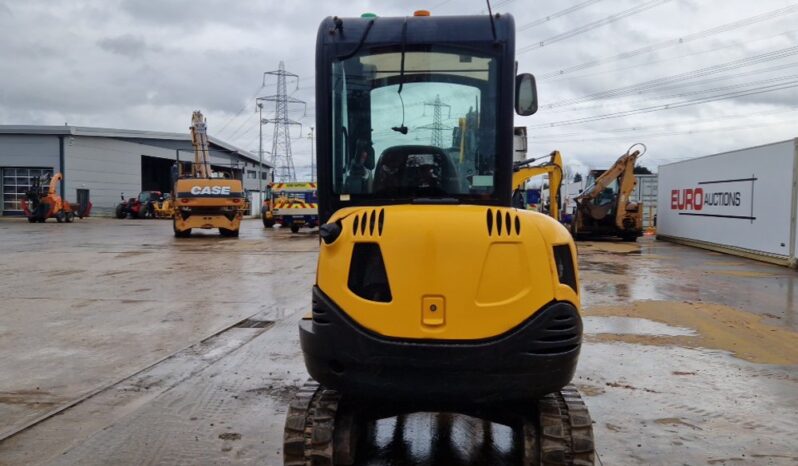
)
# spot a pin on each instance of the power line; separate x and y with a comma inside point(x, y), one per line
point(658, 82)
point(555, 15)
point(662, 133)
point(234, 133)
point(595, 24)
point(670, 106)
point(692, 124)
point(758, 71)
point(616, 70)
point(230, 120)
point(676, 41)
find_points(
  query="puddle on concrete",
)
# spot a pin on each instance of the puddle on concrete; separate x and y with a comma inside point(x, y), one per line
point(742, 273)
point(725, 263)
point(437, 438)
point(608, 246)
point(632, 326)
point(717, 326)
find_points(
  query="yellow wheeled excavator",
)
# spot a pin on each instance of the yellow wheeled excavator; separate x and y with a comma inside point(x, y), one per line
point(605, 207)
point(524, 170)
point(201, 200)
point(432, 293)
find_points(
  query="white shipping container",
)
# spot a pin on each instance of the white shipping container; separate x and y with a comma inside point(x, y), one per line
point(646, 193)
point(742, 201)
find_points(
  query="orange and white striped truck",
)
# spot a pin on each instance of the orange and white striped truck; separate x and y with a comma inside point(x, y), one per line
point(292, 204)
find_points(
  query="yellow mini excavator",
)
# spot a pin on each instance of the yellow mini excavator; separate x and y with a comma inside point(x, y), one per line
point(524, 170)
point(432, 293)
point(201, 200)
point(604, 208)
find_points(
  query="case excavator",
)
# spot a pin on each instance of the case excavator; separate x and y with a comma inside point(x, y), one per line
point(202, 200)
point(604, 208)
point(432, 293)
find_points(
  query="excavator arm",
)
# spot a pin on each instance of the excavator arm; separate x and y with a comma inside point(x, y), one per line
point(623, 171)
point(199, 138)
point(553, 168)
point(624, 164)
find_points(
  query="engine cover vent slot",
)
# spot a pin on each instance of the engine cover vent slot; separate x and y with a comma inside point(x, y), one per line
point(503, 223)
point(369, 223)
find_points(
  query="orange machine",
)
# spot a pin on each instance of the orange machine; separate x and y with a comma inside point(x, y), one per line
point(202, 200)
point(41, 203)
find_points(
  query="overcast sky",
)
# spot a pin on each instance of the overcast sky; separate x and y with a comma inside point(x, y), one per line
point(143, 64)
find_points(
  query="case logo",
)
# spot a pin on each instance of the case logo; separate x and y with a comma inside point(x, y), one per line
point(217, 190)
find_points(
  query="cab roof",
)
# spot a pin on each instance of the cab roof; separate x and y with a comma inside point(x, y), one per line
point(420, 29)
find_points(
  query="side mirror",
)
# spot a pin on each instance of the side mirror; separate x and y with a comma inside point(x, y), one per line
point(526, 95)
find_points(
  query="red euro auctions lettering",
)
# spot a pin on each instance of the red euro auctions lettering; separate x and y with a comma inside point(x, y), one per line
point(687, 199)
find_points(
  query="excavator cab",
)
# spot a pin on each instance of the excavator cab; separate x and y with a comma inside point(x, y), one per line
point(432, 293)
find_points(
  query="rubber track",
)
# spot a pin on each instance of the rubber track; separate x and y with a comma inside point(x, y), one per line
point(566, 430)
point(309, 426)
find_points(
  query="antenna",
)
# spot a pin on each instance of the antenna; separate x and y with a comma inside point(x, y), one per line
point(492, 23)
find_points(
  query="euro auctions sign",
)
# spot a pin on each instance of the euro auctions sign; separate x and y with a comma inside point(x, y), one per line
point(726, 198)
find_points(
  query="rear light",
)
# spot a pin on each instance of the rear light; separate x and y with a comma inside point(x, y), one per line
point(184, 201)
point(236, 200)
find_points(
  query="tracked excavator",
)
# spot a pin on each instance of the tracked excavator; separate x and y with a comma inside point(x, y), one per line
point(524, 170)
point(201, 200)
point(432, 293)
point(604, 208)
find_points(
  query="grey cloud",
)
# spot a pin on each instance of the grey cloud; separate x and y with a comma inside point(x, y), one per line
point(127, 45)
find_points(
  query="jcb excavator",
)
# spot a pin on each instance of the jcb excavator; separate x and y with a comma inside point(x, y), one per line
point(604, 207)
point(42, 201)
point(202, 201)
point(522, 171)
point(432, 293)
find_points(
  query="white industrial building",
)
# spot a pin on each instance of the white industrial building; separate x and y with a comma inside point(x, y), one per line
point(103, 163)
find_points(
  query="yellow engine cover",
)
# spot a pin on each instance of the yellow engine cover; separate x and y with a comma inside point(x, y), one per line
point(455, 272)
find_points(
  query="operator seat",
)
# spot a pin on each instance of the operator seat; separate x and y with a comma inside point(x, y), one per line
point(358, 174)
point(413, 170)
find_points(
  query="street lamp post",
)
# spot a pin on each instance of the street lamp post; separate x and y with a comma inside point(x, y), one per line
point(260, 152)
point(312, 158)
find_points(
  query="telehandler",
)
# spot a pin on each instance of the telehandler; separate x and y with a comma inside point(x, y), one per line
point(605, 208)
point(201, 200)
point(432, 293)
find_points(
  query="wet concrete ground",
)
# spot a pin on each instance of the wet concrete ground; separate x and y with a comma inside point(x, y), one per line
point(158, 351)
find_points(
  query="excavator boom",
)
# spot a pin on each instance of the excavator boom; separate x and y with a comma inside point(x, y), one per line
point(199, 138)
point(601, 213)
point(553, 168)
